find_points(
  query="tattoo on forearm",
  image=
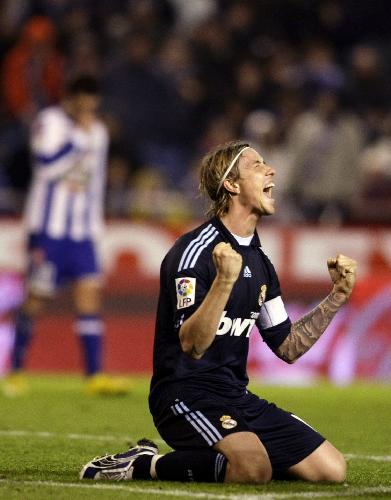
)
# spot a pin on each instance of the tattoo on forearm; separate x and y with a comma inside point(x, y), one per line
point(306, 331)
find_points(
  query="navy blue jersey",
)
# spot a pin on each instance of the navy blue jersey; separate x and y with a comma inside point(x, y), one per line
point(187, 273)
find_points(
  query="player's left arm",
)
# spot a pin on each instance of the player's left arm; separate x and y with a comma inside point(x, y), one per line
point(307, 330)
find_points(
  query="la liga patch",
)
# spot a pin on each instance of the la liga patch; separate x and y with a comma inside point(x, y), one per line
point(185, 292)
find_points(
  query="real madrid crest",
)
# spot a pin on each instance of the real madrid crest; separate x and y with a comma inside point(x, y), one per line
point(262, 295)
point(227, 422)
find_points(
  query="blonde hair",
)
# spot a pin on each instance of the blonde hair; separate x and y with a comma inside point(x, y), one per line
point(214, 166)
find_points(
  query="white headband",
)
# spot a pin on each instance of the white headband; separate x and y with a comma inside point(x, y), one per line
point(230, 168)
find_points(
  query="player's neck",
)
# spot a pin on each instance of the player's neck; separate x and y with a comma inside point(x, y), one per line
point(240, 225)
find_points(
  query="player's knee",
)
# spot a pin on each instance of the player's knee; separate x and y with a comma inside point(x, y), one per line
point(251, 468)
point(87, 296)
point(333, 470)
point(336, 471)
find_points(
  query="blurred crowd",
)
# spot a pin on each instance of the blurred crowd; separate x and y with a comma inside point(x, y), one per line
point(307, 81)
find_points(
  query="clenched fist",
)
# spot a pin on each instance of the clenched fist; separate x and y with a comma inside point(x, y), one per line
point(342, 271)
point(227, 261)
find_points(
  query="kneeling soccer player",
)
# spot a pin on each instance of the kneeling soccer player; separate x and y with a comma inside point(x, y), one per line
point(216, 283)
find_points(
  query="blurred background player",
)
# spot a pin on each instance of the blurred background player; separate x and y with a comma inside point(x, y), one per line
point(63, 218)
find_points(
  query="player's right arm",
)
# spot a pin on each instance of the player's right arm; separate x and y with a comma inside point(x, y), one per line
point(53, 145)
point(198, 331)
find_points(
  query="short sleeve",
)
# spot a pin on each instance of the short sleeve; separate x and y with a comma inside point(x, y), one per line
point(187, 287)
point(49, 133)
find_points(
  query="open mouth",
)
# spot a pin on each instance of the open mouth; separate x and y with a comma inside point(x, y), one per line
point(268, 190)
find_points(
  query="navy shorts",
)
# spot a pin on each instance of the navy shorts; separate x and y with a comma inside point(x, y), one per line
point(54, 262)
point(200, 420)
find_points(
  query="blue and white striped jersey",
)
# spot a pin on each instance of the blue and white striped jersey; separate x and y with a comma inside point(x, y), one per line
point(69, 172)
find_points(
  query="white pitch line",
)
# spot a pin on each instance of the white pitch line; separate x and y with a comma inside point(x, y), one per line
point(357, 491)
point(130, 489)
point(126, 439)
point(87, 437)
point(375, 458)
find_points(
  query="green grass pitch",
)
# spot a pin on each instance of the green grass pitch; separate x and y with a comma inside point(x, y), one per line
point(47, 435)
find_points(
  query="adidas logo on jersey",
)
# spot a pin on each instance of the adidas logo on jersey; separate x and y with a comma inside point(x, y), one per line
point(247, 272)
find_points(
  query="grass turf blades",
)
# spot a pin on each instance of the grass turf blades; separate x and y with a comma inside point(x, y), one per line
point(48, 434)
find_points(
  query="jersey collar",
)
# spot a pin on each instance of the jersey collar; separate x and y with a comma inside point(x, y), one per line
point(227, 236)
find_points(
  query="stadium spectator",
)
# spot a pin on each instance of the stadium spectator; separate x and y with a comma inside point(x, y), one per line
point(33, 70)
point(190, 14)
point(324, 145)
point(264, 131)
point(118, 194)
point(32, 77)
point(153, 199)
point(148, 108)
point(373, 201)
point(367, 77)
point(320, 69)
point(63, 221)
point(216, 283)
